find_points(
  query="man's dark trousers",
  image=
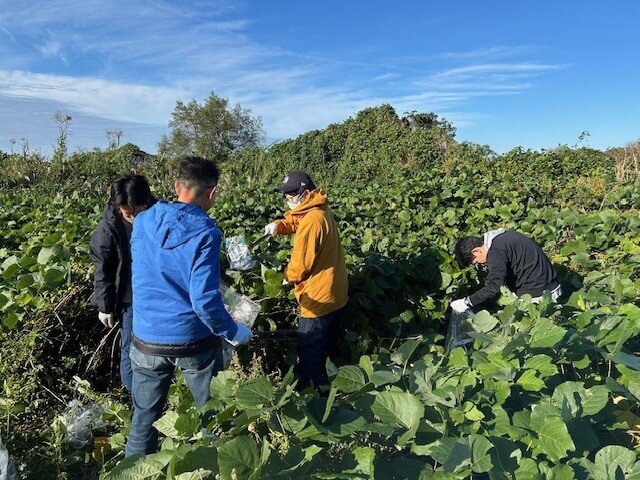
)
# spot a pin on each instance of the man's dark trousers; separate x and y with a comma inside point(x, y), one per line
point(318, 338)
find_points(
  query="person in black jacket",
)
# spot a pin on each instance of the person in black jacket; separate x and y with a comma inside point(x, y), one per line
point(110, 253)
point(513, 260)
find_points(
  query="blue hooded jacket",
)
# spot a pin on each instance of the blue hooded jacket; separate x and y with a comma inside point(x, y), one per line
point(175, 250)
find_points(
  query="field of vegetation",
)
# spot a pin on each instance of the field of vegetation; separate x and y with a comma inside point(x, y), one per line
point(548, 391)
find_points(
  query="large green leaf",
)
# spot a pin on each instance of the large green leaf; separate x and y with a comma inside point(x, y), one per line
point(255, 392)
point(350, 379)
point(238, 458)
point(614, 462)
point(554, 439)
point(545, 334)
point(398, 408)
point(529, 381)
point(472, 452)
point(576, 401)
point(167, 424)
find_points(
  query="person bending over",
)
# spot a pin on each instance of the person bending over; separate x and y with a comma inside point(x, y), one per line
point(513, 260)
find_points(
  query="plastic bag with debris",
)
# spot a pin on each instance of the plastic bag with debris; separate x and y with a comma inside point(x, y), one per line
point(457, 335)
point(7, 468)
point(242, 309)
point(238, 252)
point(80, 421)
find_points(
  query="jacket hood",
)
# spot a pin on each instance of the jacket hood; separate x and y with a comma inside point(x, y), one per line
point(491, 235)
point(169, 225)
point(315, 199)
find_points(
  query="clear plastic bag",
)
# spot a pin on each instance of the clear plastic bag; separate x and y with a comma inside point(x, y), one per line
point(241, 308)
point(238, 252)
point(80, 421)
point(7, 468)
point(457, 335)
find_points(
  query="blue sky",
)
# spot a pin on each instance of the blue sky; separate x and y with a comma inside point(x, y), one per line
point(506, 73)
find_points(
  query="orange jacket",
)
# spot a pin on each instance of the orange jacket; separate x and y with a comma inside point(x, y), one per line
point(317, 266)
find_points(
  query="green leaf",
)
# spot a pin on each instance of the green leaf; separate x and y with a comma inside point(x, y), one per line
point(223, 384)
point(471, 452)
point(238, 458)
point(200, 474)
point(136, 467)
point(561, 472)
point(367, 366)
point(255, 392)
point(330, 399)
point(167, 424)
point(614, 462)
point(576, 401)
point(398, 408)
point(384, 377)
point(25, 281)
point(545, 334)
point(527, 470)
point(484, 322)
point(350, 379)
point(530, 382)
point(554, 439)
point(53, 277)
point(541, 364)
point(402, 355)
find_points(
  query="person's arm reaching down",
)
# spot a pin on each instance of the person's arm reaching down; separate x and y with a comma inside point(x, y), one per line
point(498, 269)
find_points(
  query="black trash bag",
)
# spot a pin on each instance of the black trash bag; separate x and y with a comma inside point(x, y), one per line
point(457, 335)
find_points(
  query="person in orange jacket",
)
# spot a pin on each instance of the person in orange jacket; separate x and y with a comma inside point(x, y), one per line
point(318, 272)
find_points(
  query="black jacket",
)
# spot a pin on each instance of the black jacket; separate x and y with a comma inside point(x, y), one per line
point(518, 263)
point(110, 253)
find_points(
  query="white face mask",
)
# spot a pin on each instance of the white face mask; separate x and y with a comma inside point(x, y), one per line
point(293, 203)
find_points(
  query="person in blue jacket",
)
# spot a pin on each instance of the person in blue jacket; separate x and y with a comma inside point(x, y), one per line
point(179, 319)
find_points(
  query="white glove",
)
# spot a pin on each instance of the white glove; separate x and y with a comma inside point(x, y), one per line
point(243, 335)
point(107, 319)
point(271, 229)
point(460, 305)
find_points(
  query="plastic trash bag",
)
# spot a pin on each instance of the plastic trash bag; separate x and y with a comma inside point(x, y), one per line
point(7, 468)
point(238, 252)
point(457, 335)
point(80, 421)
point(242, 309)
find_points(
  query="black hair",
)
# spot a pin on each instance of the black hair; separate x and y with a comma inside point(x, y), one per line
point(198, 173)
point(132, 191)
point(464, 249)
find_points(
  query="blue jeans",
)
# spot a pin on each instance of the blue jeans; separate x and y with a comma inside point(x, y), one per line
point(125, 337)
point(152, 377)
point(318, 338)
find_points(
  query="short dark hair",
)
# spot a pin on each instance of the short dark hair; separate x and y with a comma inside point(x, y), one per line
point(198, 173)
point(132, 191)
point(464, 249)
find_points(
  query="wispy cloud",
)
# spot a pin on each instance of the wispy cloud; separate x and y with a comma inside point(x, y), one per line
point(498, 51)
point(129, 61)
point(94, 96)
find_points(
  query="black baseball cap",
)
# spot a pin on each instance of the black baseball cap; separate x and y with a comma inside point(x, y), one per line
point(296, 182)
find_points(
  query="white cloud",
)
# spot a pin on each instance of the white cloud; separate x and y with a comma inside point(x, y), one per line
point(95, 96)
